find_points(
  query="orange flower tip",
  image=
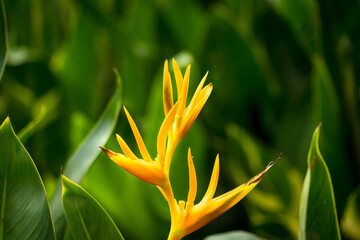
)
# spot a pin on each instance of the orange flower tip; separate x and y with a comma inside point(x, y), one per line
point(108, 152)
point(258, 177)
point(272, 163)
point(118, 137)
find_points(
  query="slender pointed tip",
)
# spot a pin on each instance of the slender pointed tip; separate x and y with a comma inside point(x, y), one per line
point(6, 121)
point(61, 171)
point(217, 159)
point(108, 152)
point(127, 113)
point(206, 74)
point(118, 138)
point(272, 162)
point(217, 164)
point(258, 177)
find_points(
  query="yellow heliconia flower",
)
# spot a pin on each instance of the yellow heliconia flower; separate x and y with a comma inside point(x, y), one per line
point(185, 216)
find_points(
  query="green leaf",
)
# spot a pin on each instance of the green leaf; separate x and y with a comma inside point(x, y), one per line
point(318, 217)
point(87, 219)
point(3, 38)
point(233, 235)
point(350, 222)
point(87, 152)
point(24, 209)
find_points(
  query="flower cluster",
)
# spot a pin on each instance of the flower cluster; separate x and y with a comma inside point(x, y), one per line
point(186, 217)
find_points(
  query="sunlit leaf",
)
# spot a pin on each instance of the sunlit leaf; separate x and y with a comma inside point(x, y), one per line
point(24, 208)
point(87, 219)
point(84, 156)
point(234, 235)
point(44, 111)
point(3, 38)
point(350, 222)
point(318, 217)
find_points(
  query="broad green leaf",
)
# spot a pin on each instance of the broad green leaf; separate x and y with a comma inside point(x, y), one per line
point(3, 38)
point(24, 209)
point(318, 217)
point(84, 156)
point(233, 235)
point(87, 219)
point(350, 222)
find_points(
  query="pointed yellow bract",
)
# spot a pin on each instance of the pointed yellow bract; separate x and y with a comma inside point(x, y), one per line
point(186, 217)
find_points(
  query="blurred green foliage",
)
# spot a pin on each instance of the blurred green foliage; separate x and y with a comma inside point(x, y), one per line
point(279, 68)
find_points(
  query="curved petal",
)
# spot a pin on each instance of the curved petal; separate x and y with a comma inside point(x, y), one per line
point(144, 152)
point(147, 171)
